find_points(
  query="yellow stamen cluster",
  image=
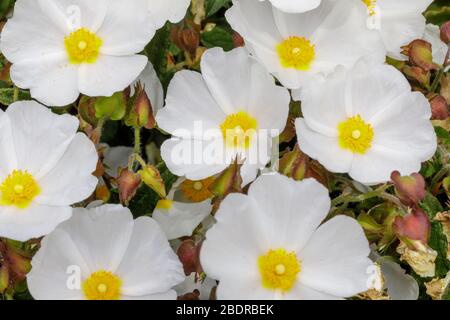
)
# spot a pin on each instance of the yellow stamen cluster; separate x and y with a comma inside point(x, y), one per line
point(371, 4)
point(297, 53)
point(102, 285)
point(356, 135)
point(238, 130)
point(279, 269)
point(19, 189)
point(197, 191)
point(83, 46)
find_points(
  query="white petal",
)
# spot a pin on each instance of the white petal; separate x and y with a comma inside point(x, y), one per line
point(127, 28)
point(243, 286)
point(71, 180)
point(57, 269)
point(302, 292)
point(182, 219)
point(188, 106)
point(52, 80)
point(169, 295)
point(237, 236)
point(40, 136)
point(101, 235)
point(335, 260)
point(324, 149)
point(439, 48)
point(296, 5)
point(8, 158)
point(290, 211)
point(149, 265)
point(191, 158)
point(228, 78)
point(163, 10)
point(115, 158)
point(33, 222)
point(110, 74)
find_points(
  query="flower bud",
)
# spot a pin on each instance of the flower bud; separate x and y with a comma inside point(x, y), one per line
point(113, 108)
point(414, 226)
point(128, 183)
point(409, 189)
point(420, 54)
point(19, 265)
point(294, 164)
point(151, 176)
point(187, 39)
point(445, 32)
point(141, 114)
point(238, 41)
point(86, 110)
point(417, 74)
point(189, 255)
point(439, 108)
point(228, 181)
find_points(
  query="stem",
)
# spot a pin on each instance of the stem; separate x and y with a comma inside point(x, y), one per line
point(442, 173)
point(16, 94)
point(137, 141)
point(441, 72)
point(351, 198)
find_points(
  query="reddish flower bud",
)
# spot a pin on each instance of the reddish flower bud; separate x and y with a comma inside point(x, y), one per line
point(417, 74)
point(238, 41)
point(409, 189)
point(445, 32)
point(141, 114)
point(420, 54)
point(187, 39)
point(189, 255)
point(151, 176)
point(128, 183)
point(414, 226)
point(439, 108)
point(229, 181)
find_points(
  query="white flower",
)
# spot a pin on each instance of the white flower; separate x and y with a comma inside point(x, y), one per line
point(270, 245)
point(295, 6)
point(163, 10)
point(103, 254)
point(194, 282)
point(299, 47)
point(62, 48)
point(398, 21)
point(433, 35)
point(366, 122)
point(233, 109)
point(179, 219)
point(45, 166)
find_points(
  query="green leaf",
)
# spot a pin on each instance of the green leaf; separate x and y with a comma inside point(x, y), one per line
point(7, 96)
point(218, 37)
point(438, 239)
point(212, 6)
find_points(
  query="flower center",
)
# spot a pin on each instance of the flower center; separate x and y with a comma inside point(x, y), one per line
point(19, 189)
point(355, 135)
point(371, 4)
point(279, 269)
point(297, 53)
point(82, 46)
point(238, 130)
point(197, 191)
point(164, 204)
point(102, 285)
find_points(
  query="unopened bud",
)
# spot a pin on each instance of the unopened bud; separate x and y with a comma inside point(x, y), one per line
point(409, 189)
point(414, 226)
point(420, 54)
point(228, 181)
point(238, 41)
point(417, 74)
point(189, 255)
point(445, 32)
point(187, 39)
point(439, 108)
point(151, 176)
point(128, 183)
point(294, 164)
point(141, 114)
